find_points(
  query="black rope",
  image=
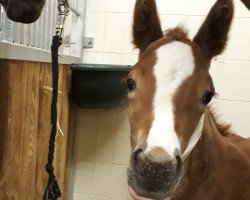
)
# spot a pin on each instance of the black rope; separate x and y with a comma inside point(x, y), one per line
point(52, 191)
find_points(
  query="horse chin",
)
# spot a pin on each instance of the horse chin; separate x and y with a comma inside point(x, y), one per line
point(22, 19)
point(137, 197)
point(139, 193)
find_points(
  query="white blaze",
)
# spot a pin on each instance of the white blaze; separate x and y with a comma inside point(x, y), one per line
point(174, 64)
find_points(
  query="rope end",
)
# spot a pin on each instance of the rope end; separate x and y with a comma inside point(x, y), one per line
point(52, 191)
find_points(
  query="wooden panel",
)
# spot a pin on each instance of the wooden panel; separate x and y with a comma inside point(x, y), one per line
point(64, 140)
point(10, 134)
point(25, 129)
point(29, 110)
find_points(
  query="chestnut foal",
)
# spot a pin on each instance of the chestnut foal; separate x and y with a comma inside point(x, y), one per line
point(24, 11)
point(180, 152)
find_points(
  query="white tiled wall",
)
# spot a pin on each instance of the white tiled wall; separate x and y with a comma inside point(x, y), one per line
point(102, 154)
point(103, 145)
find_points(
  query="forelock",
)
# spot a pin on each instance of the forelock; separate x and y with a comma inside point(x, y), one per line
point(178, 33)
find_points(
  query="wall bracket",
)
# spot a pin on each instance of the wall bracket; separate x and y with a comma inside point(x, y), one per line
point(88, 42)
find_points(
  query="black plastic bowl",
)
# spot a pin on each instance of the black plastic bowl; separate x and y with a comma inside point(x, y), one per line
point(99, 85)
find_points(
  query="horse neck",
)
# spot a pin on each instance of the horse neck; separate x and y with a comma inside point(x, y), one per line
point(207, 153)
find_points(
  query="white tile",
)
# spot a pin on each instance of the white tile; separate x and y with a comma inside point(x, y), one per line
point(78, 196)
point(98, 5)
point(129, 59)
point(232, 79)
point(162, 19)
point(107, 118)
point(240, 9)
point(129, 197)
point(92, 57)
point(118, 185)
point(178, 7)
point(136, 51)
point(87, 118)
point(101, 182)
point(114, 34)
point(200, 7)
point(121, 5)
point(171, 21)
point(239, 41)
point(112, 58)
point(245, 91)
point(96, 28)
point(214, 102)
point(226, 112)
point(194, 23)
point(122, 148)
point(84, 177)
point(127, 40)
point(216, 72)
point(130, 6)
point(122, 119)
point(243, 125)
point(86, 144)
point(162, 6)
point(105, 145)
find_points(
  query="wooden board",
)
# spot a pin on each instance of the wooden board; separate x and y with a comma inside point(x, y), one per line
point(25, 100)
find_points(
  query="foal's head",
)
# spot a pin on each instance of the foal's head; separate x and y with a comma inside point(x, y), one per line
point(25, 11)
point(169, 89)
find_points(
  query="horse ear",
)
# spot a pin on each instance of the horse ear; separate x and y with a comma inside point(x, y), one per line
point(246, 3)
point(146, 27)
point(212, 35)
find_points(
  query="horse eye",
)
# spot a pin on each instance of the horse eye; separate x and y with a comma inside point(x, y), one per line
point(131, 84)
point(207, 98)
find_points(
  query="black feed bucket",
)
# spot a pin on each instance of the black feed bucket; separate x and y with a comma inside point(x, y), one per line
point(98, 85)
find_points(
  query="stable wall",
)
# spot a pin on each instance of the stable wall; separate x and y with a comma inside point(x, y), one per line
point(103, 145)
point(25, 100)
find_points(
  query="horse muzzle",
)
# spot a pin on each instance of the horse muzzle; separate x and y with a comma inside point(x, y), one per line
point(152, 176)
point(24, 12)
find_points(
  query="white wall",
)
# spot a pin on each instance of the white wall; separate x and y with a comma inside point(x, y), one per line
point(103, 135)
point(102, 154)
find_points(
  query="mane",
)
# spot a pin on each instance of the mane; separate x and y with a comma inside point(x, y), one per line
point(179, 33)
point(223, 127)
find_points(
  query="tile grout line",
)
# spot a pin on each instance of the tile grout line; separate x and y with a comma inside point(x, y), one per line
point(163, 14)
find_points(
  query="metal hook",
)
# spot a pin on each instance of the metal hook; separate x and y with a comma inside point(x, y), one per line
point(63, 10)
point(63, 7)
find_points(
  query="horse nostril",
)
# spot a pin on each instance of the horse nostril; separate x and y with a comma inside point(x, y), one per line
point(179, 162)
point(136, 154)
